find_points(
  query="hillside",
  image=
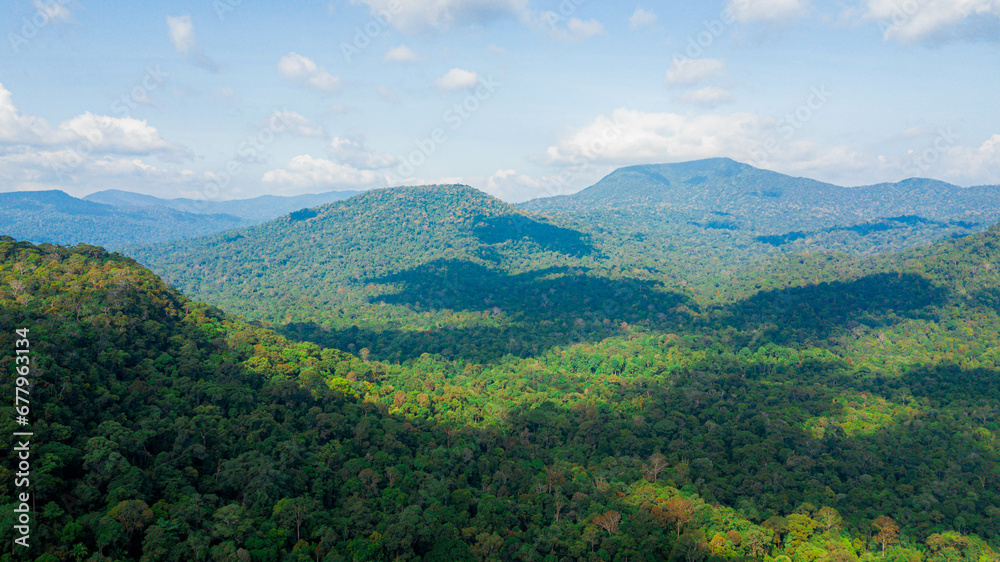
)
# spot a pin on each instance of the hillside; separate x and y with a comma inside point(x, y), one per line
point(397, 266)
point(55, 217)
point(741, 197)
point(786, 424)
point(254, 211)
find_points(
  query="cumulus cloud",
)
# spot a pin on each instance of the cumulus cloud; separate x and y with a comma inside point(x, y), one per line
point(303, 70)
point(580, 29)
point(918, 21)
point(692, 71)
point(124, 135)
point(641, 18)
point(66, 169)
point(103, 133)
point(53, 11)
point(295, 124)
point(458, 79)
point(182, 35)
point(304, 172)
point(710, 96)
point(422, 16)
point(401, 53)
point(17, 128)
point(767, 10)
point(572, 29)
point(353, 152)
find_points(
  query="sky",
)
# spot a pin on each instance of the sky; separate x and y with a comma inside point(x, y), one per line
point(230, 99)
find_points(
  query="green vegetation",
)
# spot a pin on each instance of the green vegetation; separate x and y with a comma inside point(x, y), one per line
point(213, 439)
point(510, 387)
point(55, 217)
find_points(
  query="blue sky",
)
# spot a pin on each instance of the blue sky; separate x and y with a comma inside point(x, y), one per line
point(227, 99)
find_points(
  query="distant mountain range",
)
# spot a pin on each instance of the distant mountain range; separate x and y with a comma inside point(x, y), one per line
point(724, 194)
point(256, 210)
point(718, 200)
point(117, 219)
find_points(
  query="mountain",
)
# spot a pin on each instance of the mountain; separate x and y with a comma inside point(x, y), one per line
point(55, 217)
point(253, 211)
point(802, 421)
point(741, 197)
point(424, 258)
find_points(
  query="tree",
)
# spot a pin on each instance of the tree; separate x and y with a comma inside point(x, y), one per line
point(680, 511)
point(888, 531)
point(657, 464)
point(295, 510)
point(609, 521)
point(829, 518)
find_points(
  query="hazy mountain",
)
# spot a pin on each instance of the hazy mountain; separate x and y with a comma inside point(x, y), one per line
point(724, 194)
point(254, 211)
point(58, 218)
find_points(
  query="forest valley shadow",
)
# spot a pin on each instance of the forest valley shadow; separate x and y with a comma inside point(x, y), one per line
point(525, 315)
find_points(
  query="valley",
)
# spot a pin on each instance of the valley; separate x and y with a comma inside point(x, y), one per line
point(431, 373)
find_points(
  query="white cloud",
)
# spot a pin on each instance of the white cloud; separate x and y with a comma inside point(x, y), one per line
point(513, 187)
point(182, 35)
point(580, 29)
point(53, 11)
point(295, 124)
point(458, 79)
point(422, 16)
point(936, 20)
point(102, 133)
point(123, 135)
point(575, 29)
point(693, 71)
point(69, 171)
point(303, 70)
point(767, 10)
point(956, 163)
point(353, 152)
point(641, 18)
point(17, 128)
point(401, 53)
point(630, 137)
point(710, 96)
point(304, 172)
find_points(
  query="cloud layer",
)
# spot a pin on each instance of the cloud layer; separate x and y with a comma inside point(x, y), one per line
point(303, 70)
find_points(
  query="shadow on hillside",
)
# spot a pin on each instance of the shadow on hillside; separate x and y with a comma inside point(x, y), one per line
point(811, 315)
point(511, 228)
point(778, 463)
point(522, 315)
point(526, 314)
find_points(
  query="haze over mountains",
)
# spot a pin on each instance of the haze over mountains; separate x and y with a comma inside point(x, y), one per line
point(430, 373)
point(117, 219)
point(256, 210)
point(735, 200)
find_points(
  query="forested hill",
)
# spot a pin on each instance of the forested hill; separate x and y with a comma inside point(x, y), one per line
point(56, 217)
point(390, 262)
point(771, 203)
point(166, 430)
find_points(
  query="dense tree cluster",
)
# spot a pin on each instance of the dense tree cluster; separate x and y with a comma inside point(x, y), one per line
point(509, 388)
